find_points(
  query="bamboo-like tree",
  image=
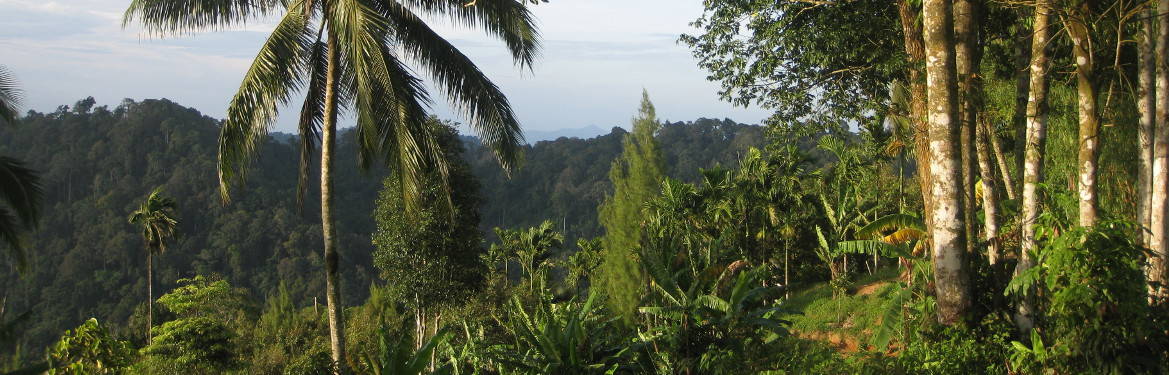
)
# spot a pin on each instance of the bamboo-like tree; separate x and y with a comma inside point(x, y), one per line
point(1033, 158)
point(20, 187)
point(948, 230)
point(1159, 198)
point(156, 217)
point(353, 54)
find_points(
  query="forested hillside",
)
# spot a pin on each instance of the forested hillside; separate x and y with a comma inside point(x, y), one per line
point(98, 163)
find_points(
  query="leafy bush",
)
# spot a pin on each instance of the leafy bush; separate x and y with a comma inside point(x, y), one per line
point(192, 346)
point(89, 349)
point(1090, 287)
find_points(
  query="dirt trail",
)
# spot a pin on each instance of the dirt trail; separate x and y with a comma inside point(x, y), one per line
point(870, 288)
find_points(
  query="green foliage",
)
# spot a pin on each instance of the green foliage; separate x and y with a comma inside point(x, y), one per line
point(431, 256)
point(1090, 287)
point(156, 217)
point(199, 345)
point(816, 63)
point(583, 263)
point(399, 357)
point(203, 338)
point(564, 338)
point(290, 340)
point(89, 349)
point(636, 178)
point(202, 296)
point(956, 351)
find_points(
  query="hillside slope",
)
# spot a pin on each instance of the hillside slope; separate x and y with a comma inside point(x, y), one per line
point(98, 163)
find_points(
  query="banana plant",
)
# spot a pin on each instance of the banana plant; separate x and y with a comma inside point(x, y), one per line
point(565, 338)
point(397, 356)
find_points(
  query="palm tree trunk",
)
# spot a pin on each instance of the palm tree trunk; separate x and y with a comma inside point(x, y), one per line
point(1159, 199)
point(328, 230)
point(990, 199)
point(1089, 114)
point(786, 285)
point(967, 57)
point(1023, 46)
point(1146, 106)
point(149, 294)
point(1033, 160)
point(948, 233)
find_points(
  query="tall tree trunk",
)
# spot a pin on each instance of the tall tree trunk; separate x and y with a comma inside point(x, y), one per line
point(967, 56)
point(948, 234)
point(1033, 159)
point(1089, 115)
point(1023, 51)
point(1001, 159)
point(915, 52)
point(990, 198)
point(149, 294)
point(1159, 200)
point(328, 231)
point(1146, 106)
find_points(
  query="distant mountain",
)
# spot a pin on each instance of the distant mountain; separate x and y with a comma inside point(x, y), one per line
point(534, 136)
point(86, 261)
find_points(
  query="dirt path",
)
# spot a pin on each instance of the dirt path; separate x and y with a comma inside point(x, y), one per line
point(871, 288)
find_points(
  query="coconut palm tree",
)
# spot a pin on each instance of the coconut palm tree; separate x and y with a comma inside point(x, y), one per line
point(20, 187)
point(157, 218)
point(353, 54)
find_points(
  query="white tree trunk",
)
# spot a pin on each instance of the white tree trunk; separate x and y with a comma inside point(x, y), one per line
point(1159, 200)
point(948, 233)
point(1089, 113)
point(1146, 106)
point(1033, 158)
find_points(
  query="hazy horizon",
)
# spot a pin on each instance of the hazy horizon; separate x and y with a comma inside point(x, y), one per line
point(62, 51)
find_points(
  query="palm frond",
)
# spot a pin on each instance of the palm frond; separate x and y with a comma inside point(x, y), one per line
point(10, 96)
point(482, 104)
point(166, 17)
point(870, 247)
point(509, 20)
point(312, 115)
point(273, 77)
point(890, 222)
point(390, 100)
point(20, 187)
point(11, 236)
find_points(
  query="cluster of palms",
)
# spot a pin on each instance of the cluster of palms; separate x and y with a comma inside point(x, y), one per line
point(353, 55)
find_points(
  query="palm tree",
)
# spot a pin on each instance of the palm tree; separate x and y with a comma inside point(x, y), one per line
point(156, 217)
point(20, 187)
point(352, 54)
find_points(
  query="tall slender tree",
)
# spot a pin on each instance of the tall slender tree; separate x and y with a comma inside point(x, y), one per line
point(967, 56)
point(636, 177)
point(1033, 158)
point(1146, 106)
point(1159, 198)
point(353, 54)
point(1079, 25)
point(156, 217)
point(948, 231)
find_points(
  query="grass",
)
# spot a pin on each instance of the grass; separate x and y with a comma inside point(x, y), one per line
point(846, 320)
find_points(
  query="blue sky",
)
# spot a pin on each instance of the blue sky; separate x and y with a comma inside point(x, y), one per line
point(598, 55)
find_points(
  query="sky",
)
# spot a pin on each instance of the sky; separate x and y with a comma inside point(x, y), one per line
point(598, 56)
